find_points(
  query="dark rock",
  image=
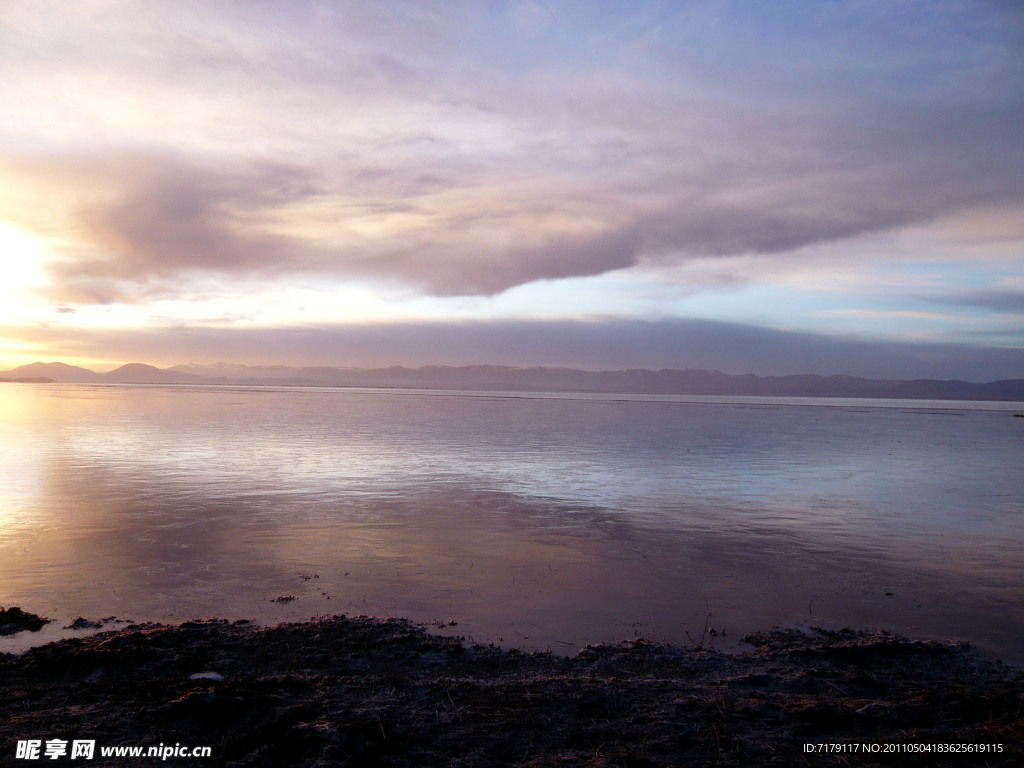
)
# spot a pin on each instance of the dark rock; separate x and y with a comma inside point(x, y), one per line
point(14, 620)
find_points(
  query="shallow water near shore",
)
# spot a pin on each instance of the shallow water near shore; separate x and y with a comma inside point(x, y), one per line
point(535, 521)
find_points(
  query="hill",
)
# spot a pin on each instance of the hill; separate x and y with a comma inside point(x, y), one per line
point(52, 372)
point(506, 378)
point(139, 373)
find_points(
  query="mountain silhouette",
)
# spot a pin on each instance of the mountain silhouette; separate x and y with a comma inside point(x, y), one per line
point(497, 378)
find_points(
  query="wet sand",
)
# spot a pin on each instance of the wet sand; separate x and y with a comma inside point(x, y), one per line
point(366, 692)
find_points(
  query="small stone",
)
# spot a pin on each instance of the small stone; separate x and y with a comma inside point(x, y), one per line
point(216, 676)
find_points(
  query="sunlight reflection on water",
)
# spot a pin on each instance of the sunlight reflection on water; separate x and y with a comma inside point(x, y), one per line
point(542, 522)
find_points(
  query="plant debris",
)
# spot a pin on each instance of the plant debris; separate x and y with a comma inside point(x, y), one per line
point(14, 620)
point(367, 692)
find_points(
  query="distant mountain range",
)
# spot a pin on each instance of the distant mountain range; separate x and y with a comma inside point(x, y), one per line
point(495, 378)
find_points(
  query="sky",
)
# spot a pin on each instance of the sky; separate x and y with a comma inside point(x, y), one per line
point(786, 187)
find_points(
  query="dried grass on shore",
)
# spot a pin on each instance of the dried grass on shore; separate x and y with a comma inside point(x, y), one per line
point(364, 692)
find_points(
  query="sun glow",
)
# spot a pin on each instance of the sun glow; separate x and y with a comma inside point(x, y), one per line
point(21, 257)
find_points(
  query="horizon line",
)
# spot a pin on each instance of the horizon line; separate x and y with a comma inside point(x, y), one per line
point(496, 366)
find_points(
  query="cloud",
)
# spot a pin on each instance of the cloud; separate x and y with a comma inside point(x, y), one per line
point(451, 231)
point(423, 174)
point(166, 218)
point(889, 313)
point(598, 343)
point(1001, 300)
point(461, 152)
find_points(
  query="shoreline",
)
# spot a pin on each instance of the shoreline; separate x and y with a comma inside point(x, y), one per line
point(361, 691)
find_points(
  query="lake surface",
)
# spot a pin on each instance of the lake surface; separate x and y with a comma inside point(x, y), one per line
point(536, 521)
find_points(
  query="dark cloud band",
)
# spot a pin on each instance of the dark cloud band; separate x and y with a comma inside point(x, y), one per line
point(596, 344)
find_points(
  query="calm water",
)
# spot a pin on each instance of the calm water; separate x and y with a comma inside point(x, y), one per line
point(534, 521)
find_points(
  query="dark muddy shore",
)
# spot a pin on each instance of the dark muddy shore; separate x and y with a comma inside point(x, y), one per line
point(366, 692)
